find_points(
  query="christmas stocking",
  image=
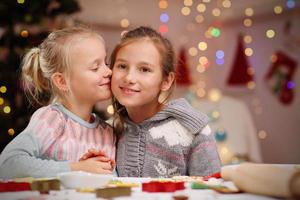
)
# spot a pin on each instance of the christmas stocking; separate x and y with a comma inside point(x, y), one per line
point(280, 77)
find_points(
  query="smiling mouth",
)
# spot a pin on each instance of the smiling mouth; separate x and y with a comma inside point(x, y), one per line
point(128, 90)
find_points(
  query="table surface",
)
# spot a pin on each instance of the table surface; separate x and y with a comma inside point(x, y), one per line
point(137, 193)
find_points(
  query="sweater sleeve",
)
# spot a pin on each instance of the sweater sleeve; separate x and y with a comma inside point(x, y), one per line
point(203, 156)
point(20, 158)
point(23, 156)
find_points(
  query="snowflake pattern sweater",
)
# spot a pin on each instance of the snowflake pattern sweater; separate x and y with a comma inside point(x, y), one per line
point(175, 141)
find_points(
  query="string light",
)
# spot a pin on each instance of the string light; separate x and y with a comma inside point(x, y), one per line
point(262, 134)
point(124, 23)
point(216, 12)
point(201, 7)
point(193, 51)
point(226, 4)
point(270, 33)
point(202, 46)
point(163, 29)
point(24, 33)
point(11, 132)
point(248, 52)
point(3, 89)
point(21, 1)
point(164, 17)
point(200, 68)
point(249, 12)
point(247, 22)
point(290, 4)
point(247, 39)
point(1, 101)
point(278, 10)
point(6, 109)
point(199, 19)
point(188, 2)
point(162, 4)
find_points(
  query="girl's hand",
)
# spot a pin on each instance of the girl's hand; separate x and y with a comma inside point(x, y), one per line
point(98, 165)
point(92, 153)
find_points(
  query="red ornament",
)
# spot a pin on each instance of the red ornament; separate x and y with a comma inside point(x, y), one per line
point(182, 70)
point(280, 76)
point(239, 74)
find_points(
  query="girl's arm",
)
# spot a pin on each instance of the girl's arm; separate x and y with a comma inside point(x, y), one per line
point(20, 158)
point(203, 157)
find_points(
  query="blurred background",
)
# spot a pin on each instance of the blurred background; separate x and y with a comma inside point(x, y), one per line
point(236, 61)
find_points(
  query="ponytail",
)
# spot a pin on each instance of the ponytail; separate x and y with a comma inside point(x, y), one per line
point(36, 85)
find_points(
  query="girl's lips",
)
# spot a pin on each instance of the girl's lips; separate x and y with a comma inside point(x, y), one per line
point(128, 90)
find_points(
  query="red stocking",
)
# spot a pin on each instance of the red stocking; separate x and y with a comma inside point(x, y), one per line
point(280, 76)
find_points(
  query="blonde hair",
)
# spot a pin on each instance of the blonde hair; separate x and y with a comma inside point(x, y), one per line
point(165, 49)
point(51, 56)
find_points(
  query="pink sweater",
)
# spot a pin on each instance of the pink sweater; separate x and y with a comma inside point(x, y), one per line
point(53, 138)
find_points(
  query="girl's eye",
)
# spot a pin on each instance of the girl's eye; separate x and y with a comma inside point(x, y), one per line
point(145, 69)
point(95, 69)
point(121, 66)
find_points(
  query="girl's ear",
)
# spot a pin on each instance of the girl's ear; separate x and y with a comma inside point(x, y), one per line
point(59, 81)
point(167, 82)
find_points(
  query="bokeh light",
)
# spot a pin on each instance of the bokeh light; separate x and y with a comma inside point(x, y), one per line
point(164, 17)
point(124, 23)
point(193, 51)
point(163, 4)
point(262, 134)
point(226, 3)
point(270, 33)
point(248, 51)
point(163, 29)
point(185, 11)
point(201, 7)
point(247, 22)
point(249, 12)
point(278, 10)
point(6, 109)
point(247, 39)
point(199, 19)
point(216, 12)
point(202, 46)
point(188, 2)
point(3, 89)
point(220, 54)
point(11, 132)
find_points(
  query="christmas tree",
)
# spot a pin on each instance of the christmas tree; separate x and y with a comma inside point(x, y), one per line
point(23, 24)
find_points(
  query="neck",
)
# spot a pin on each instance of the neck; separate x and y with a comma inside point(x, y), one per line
point(81, 110)
point(139, 114)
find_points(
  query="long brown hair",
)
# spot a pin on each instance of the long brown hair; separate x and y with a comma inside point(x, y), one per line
point(166, 52)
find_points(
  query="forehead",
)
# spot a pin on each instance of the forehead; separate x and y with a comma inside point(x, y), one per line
point(140, 50)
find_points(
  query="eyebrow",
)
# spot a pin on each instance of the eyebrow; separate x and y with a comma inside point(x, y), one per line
point(143, 63)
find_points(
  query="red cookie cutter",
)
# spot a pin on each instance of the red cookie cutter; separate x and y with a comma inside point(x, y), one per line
point(156, 186)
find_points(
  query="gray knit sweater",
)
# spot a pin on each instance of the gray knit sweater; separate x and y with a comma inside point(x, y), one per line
point(175, 141)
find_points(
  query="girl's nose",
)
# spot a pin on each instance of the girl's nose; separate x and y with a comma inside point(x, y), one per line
point(130, 77)
point(107, 72)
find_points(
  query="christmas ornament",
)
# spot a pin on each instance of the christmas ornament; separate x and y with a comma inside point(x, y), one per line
point(182, 70)
point(239, 75)
point(280, 77)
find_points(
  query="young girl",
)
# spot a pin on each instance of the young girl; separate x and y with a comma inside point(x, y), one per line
point(157, 139)
point(68, 75)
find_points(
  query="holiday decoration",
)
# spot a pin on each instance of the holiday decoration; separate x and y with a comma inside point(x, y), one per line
point(182, 71)
point(239, 75)
point(23, 24)
point(280, 77)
